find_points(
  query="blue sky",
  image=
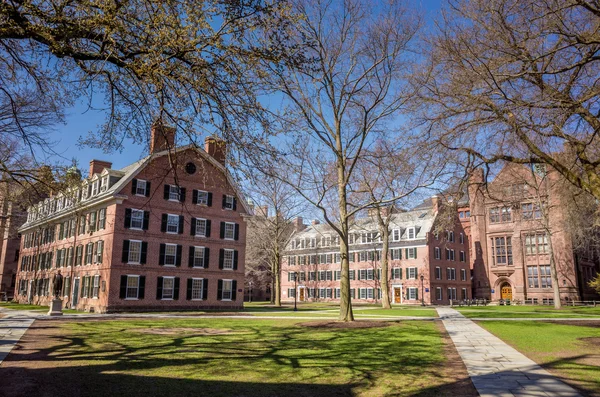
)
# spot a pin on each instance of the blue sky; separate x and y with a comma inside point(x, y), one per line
point(80, 120)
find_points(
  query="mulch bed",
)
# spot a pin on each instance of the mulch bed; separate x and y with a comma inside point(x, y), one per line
point(580, 323)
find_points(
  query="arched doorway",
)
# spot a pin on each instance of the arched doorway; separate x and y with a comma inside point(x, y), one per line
point(506, 291)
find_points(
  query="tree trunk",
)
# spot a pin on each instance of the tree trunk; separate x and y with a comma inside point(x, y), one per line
point(385, 291)
point(554, 274)
point(277, 274)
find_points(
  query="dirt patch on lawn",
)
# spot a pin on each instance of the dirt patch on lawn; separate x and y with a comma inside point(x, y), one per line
point(344, 325)
point(592, 340)
point(580, 323)
point(180, 331)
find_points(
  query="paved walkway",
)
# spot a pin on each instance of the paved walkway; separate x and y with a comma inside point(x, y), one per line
point(12, 327)
point(495, 368)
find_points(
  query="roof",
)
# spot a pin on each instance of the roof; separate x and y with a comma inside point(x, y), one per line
point(129, 172)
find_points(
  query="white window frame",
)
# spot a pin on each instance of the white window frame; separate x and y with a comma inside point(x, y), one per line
point(229, 283)
point(130, 260)
point(438, 273)
point(195, 291)
point(409, 231)
point(96, 287)
point(139, 216)
point(411, 293)
point(169, 217)
point(437, 252)
point(228, 262)
point(172, 295)
point(174, 193)
point(174, 246)
point(225, 233)
point(196, 251)
point(412, 276)
point(128, 288)
point(438, 293)
point(200, 221)
point(229, 202)
point(202, 197)
point(412, 253)
point(141, 187)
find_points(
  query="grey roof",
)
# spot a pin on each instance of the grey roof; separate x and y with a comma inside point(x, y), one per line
point(422, 220)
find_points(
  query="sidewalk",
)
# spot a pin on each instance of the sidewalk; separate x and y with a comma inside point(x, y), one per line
point(12, 327)
point(495, 368)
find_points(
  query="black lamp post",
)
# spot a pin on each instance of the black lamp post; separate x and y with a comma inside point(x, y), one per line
point(250, 283)
point(422, 291)
point(295, 291)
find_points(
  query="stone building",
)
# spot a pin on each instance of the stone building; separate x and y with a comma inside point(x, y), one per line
point(164, 233)
point(515, 221)
point(12, 216)
point(424, 266)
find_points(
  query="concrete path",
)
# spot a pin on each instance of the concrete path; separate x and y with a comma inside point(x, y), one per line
point(495, 368)
point(12, 327)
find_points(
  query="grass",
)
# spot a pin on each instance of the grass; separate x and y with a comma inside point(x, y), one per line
point(330, 310)
point(528, 311)
point(238, 357)
point(35, 308)
point(559, 348)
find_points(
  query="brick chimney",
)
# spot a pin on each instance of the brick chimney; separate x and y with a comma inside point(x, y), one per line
point(299, 224)
point(435, 203)
point(217, 148)
point(262, 210)
point(96, 166)
point(162, 137)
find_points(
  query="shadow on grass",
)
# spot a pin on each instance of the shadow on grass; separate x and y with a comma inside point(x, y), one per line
point(258, 358)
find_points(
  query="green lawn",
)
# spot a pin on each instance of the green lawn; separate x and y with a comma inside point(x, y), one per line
point(20, 306)
point(328, 310)
point(560, 348)
point(529, 311)
point(228, 357)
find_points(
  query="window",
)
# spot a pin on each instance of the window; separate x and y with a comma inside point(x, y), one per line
point(531, 211)
point(505, 214)
point(411, 253)
point(411, 233)
point(438, 273)
point(450, 273)
point(135, 252)
point(396, 254)
point(228, 202)
point(539, 276)
point(82, 224)
point(200, 227)
point(92, 225)
point(461, 238)
point(96, 286)
point(202, 198)
point(197, 289)
point(94, 188)
point(89, 252)
point(536, 244)
point(494, 215)
point(412, 293)
point(396, 235)
point(78, 255)
point(227, 290)
point(411, 273)
point(312, 276)
point(229, 233)
point(168, 287)
point(464, 294)
point(174, 193)
point(99, 251)
point(462, 256)
point(228, 255)
point(452, 293)
point(451, 237)
point(86, 287)
point(438, 253)
point(170, 254)
point(140, 188)
point(101, 221)
point(501, 251)
point(463, 274)
point(137, 219)
point(438, 293)
point(173, 223)
point(198, 258)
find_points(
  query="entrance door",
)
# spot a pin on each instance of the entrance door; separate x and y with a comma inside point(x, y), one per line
point(75, 298)
point(301, 293)
point(398, 295)
point(506, 292)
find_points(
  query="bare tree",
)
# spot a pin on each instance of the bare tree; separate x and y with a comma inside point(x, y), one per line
point(270, 229)
point(187, 63)
point(517, 81)
point(336, 105)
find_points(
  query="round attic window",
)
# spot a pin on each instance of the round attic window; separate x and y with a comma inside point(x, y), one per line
point(190, 168)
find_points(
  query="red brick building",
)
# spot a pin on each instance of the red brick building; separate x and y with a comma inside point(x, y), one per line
point(424, 266)
point(164, 233)
point(12, 216)
point(515, 221)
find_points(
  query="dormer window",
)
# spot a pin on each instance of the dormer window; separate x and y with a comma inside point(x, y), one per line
point(104, 183)
point(410, 233)
point(94, 188)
